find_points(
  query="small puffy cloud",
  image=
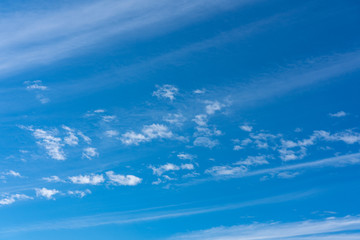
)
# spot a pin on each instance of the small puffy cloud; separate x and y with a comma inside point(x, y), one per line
point(46, 193)
point(186, 156)
point(205, 142)
point(111, 133)
point(237, 148)
point(254, 160)
point(176, 119)
point(170, 167)
point(246, 128)
point(108, 118)
point(166, 91)
point(90, 153)
point(7, 200)
point(52, 144)
point(35, 85)
point(13, 173)
point(71, 139)
point(212, 107)
point(149, 132)
point(226, 170)
point(287, 174)
point(123, 180)
point(338, 114)
point(93, 179)
point(164, 168)
point(201, 119)
point(199, 91)
point(53, 179)
point(132, 138)
point(79, 193)
point(187, 166)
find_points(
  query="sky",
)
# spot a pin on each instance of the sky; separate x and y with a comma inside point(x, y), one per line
point(190, 119)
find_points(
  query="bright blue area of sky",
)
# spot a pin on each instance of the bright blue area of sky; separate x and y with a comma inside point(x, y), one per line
point(276, 84)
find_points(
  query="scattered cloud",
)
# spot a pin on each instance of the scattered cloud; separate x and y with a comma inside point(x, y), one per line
point(93, 179)
point(9, 199)
point(79, 193)
point(53, 179)
point(170, 167)
point(199, 91)
point(226, 170)
point(13, 173)
point(338, 114)
point(166, 91)
point(212, 107)
point(111, 133)
point(46, 193)
point(123, 180)
point(52, 144)
point(246, 128)
point(205, 142)
point(149, 132)
point(186, 156)
point(90, 153)
point(254, 160)
point(176, 119)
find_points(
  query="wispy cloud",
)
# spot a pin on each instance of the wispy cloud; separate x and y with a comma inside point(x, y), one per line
point(123, 180)
point(146, 215)
point(338, 114)
point(325, 229)
point(34, 38)
point(13, 198)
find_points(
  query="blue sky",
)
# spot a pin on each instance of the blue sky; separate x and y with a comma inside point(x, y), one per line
point(190, 120)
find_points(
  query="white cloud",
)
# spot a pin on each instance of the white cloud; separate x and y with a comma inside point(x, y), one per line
point(176, 119)
point(237, 148)
point(71, 139)
point(93, 179)
point(90, 153)
point(157, 131)
point(53, 179)
point(287, 175)
point(212, 107)
point(226, 170)
point(111, 133)
point(84, 137)
point(132, 138)
point(199, 91)
point(166, 91)
point(338, 114)
point(347, 136)
point(205, 142)
point(46, 193)
point(124, 180)
point(201, 119)
point(149, 132)
point(187, 166)
point(99, 111)
point(186, 156)
point(13, 198)
point(254, 160)
point(13, 173)
point(325, 229)
point(52, 144)
point(246, 128)
point(79, 193)
point(108, 118)
point(35, 85)
point(170, 167)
